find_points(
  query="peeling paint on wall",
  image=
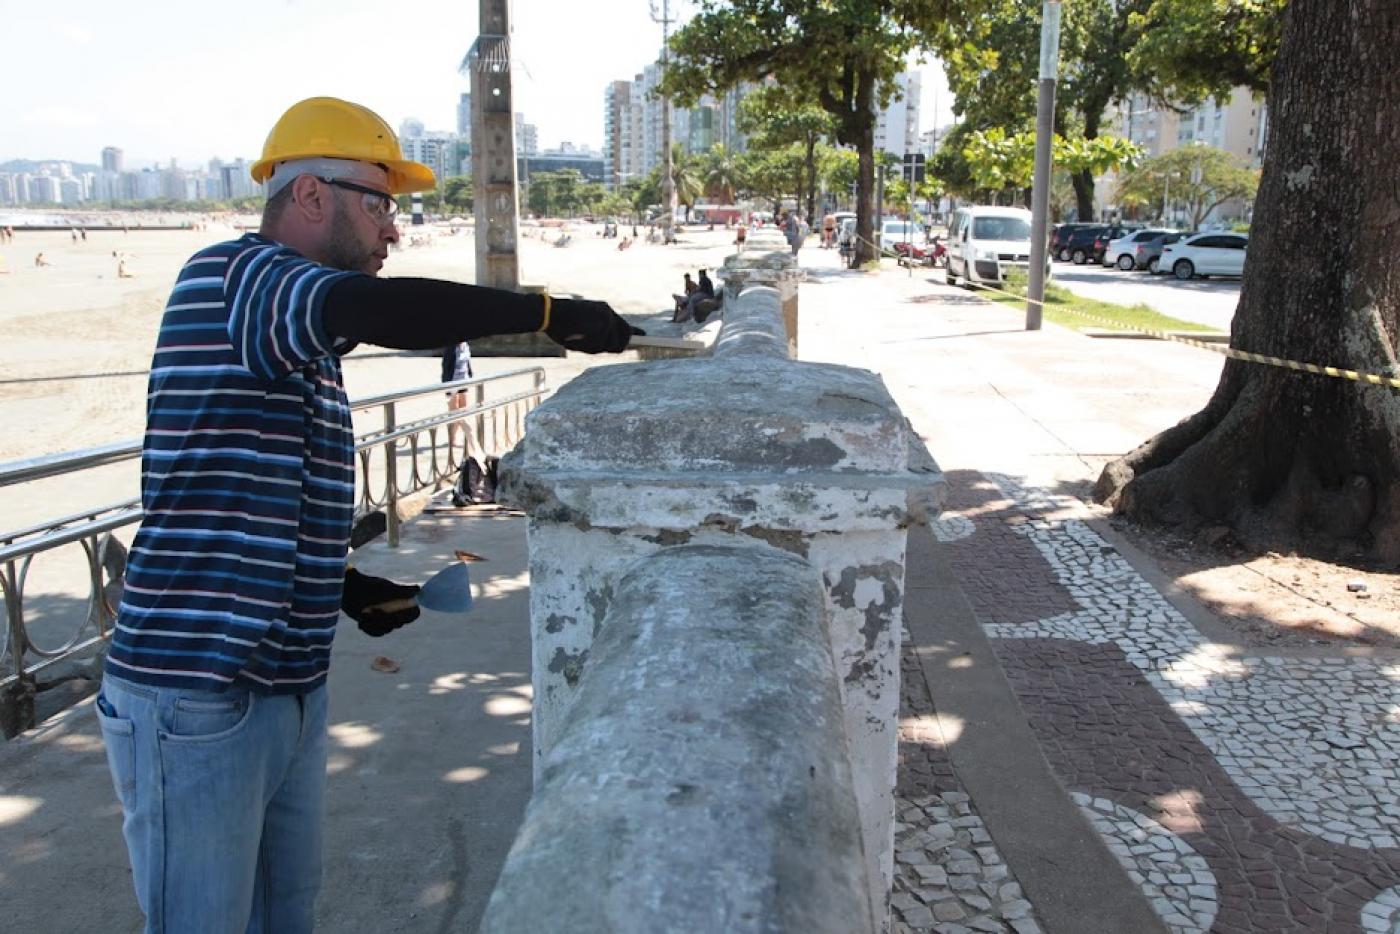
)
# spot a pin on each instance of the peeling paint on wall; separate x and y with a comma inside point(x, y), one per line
point(569, 664)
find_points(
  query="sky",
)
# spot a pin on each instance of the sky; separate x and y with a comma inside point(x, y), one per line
point(192, 81)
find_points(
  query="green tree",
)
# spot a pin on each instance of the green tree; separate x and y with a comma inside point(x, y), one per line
point(840, 168)
point(1177, 51)
point(772, 174)
point(458, 194)
point(1200, 177)
point(844, 54)
point(950, 166)
point(568, 184)
point(1188, 50)
point(685, 175)
point(897, 195)
point(993, 63)
point(998, 161)
point(1290, 460)
point(775, 117)
point(719, 170)
point(591, 197)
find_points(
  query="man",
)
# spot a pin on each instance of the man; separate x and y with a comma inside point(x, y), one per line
point(794, 230)
point(703, 292)
point(213, 704)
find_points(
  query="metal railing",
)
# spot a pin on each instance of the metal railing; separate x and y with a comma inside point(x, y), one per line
point(415, 447)
point(427, 442)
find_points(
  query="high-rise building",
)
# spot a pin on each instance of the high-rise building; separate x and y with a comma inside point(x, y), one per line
point(435, 150)
point(7, 189)
point(1237, 125)
point(44, 190)
point(464, 116)
point(527, 140)
point(112, 159)
point(632, 125)
point(897, 126)
point(410, 128)
point(106, 186)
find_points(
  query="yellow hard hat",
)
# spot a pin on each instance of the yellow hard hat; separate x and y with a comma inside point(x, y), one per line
point(337, 129)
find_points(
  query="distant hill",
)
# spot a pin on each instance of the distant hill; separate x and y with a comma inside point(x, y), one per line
point(15, 166)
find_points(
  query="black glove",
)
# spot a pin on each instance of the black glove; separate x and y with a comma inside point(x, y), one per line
point(592, 327)
point(379, 606)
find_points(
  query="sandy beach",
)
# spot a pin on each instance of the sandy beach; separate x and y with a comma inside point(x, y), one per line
point(77, 339)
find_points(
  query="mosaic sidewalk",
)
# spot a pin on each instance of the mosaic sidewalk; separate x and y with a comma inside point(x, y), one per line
point(1242, 792)
point(950, 877)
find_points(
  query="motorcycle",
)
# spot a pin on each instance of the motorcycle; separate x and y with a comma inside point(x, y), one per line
point(937, 253)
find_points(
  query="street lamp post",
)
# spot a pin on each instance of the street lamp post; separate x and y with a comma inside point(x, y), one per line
point(1040, 190)
point(668, 181)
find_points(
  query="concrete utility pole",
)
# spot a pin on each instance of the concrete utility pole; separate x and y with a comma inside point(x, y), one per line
point(493, 150)
point(1044, 133)
point(668, 181)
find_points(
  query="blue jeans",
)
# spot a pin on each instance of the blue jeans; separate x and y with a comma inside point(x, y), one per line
point(221, 796)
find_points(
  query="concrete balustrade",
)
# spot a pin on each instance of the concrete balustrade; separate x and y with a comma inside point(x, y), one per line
point(767, 260)
point(744, 446)
point(700, 781)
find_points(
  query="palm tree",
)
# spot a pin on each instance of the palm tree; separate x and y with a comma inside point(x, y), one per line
point(685, 177)
point(721, 174)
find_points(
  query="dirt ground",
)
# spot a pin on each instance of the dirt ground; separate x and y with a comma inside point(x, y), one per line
point(1272, 599)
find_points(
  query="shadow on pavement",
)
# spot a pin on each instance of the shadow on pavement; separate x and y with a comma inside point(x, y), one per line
point(429, 767)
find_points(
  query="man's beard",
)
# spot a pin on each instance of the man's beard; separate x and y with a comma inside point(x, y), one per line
point(343, 251)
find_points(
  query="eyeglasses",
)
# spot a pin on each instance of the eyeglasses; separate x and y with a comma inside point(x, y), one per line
point(378, 205)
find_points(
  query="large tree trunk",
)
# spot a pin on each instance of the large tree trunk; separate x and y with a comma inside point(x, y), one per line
point(860, 130)
point(1083, 182)
point(1290, 458)
point(809, 185)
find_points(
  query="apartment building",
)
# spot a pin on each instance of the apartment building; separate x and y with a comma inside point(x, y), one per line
point(1237, 125)
point(897, 126)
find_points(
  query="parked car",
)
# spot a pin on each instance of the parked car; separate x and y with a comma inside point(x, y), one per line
point(1060, 234)
point(1079, 247)
point(1205, 254)
point(903, 238)
point(984, 243)
point(1122, 252)
point(1106, 236)
point(1149, 252)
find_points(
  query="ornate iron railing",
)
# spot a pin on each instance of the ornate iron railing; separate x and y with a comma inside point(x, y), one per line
point(415, 446)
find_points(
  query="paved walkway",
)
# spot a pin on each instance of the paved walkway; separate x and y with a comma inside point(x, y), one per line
point(1081, 751)
point(429, 768)
point(1231, 787)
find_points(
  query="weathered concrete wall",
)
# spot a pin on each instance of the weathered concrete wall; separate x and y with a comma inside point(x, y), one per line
point(744, 445)
point(767, 261)
point(700, 781)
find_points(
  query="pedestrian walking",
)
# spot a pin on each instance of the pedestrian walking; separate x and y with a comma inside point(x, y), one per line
point(795, 230)
point(213, 700)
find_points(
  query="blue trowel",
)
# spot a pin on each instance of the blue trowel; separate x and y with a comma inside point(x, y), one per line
point(449, 590)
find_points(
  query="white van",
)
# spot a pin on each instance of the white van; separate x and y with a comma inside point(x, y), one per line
point(985, 242)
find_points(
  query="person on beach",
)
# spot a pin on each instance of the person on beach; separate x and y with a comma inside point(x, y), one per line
point(456, 365)
point(213, 699)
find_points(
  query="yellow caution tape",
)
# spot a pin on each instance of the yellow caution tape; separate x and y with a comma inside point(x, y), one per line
point(1338, 372)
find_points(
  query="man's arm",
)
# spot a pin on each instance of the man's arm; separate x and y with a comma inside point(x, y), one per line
point(419, 314)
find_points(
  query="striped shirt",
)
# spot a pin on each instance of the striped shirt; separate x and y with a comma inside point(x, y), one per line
point(247, 480)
